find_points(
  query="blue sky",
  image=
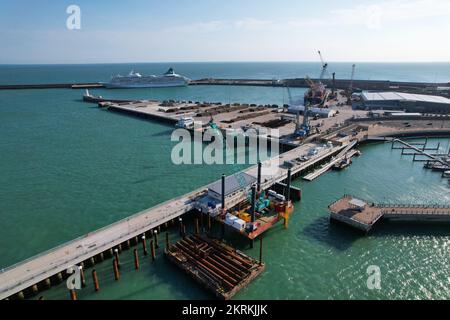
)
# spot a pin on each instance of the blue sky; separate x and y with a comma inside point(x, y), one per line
point(231, 30)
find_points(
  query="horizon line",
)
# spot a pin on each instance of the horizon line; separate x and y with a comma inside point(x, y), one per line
point(216, 61)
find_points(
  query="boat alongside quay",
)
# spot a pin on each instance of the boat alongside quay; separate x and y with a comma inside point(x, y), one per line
point(136, 80)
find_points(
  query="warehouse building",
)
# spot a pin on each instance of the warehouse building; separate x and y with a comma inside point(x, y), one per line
point(402, 101)
point(320, 112)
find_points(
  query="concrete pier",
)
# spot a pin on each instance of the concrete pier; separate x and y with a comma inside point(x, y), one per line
point(56, 261)
point(364, 215)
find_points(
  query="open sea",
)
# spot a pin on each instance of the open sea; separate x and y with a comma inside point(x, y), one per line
point(67, 168)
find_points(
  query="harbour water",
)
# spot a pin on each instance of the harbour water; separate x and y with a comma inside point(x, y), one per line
point(68, 168)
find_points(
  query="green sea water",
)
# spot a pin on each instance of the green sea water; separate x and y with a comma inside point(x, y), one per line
point(68, 168)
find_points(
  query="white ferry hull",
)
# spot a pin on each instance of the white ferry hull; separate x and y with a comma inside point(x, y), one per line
point(144, 85)
point(136, 80)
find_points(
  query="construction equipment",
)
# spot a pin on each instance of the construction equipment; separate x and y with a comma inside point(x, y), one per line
point(303, 130)
point(317, 95)
point(212, 124)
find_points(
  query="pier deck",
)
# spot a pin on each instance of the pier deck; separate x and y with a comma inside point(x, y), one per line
point(344, 153)
point(36, 269)
point(364, 215)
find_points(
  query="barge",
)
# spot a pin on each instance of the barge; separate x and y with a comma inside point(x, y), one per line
point(222, 270)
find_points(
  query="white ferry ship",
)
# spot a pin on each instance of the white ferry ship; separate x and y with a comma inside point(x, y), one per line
point(136, 80)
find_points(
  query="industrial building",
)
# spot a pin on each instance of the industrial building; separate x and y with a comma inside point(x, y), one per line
point(233, 184)
point(402, 101)
point(320, 112)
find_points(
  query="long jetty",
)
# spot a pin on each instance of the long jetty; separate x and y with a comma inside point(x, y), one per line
point(344, 153)
point(363, 215)
point(297, 82)
point(27, 274)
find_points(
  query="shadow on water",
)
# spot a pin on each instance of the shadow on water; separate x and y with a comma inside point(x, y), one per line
point(336, 235)
point(179, 283)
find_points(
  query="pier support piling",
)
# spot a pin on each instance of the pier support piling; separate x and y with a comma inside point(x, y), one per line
point(34, 289)
point(144, 245)
point(116, 257)
point(259, 176)
point(82, 277)
point(288, 185)
point(47, 283)
point(73, 295)
point(95, 279)
point(100, 257)
point(167, 242)
point(58, 278)
point(223, 193)
point(116, 269)
point(180, 220)
point(136, 259)
point(152, 249)
point(197, 227)
point(253, 203)
point(155, 233)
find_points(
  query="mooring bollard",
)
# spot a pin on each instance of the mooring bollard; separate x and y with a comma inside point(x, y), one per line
point(73, 295)
point(144, 245)
point(95, 279)
point(116, 270)
point(152, 248)
point(83, 279)
point(136, 259)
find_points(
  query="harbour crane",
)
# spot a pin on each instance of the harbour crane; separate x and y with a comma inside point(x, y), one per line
point(350, 88)
point(302, 129)
point(324, 66)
